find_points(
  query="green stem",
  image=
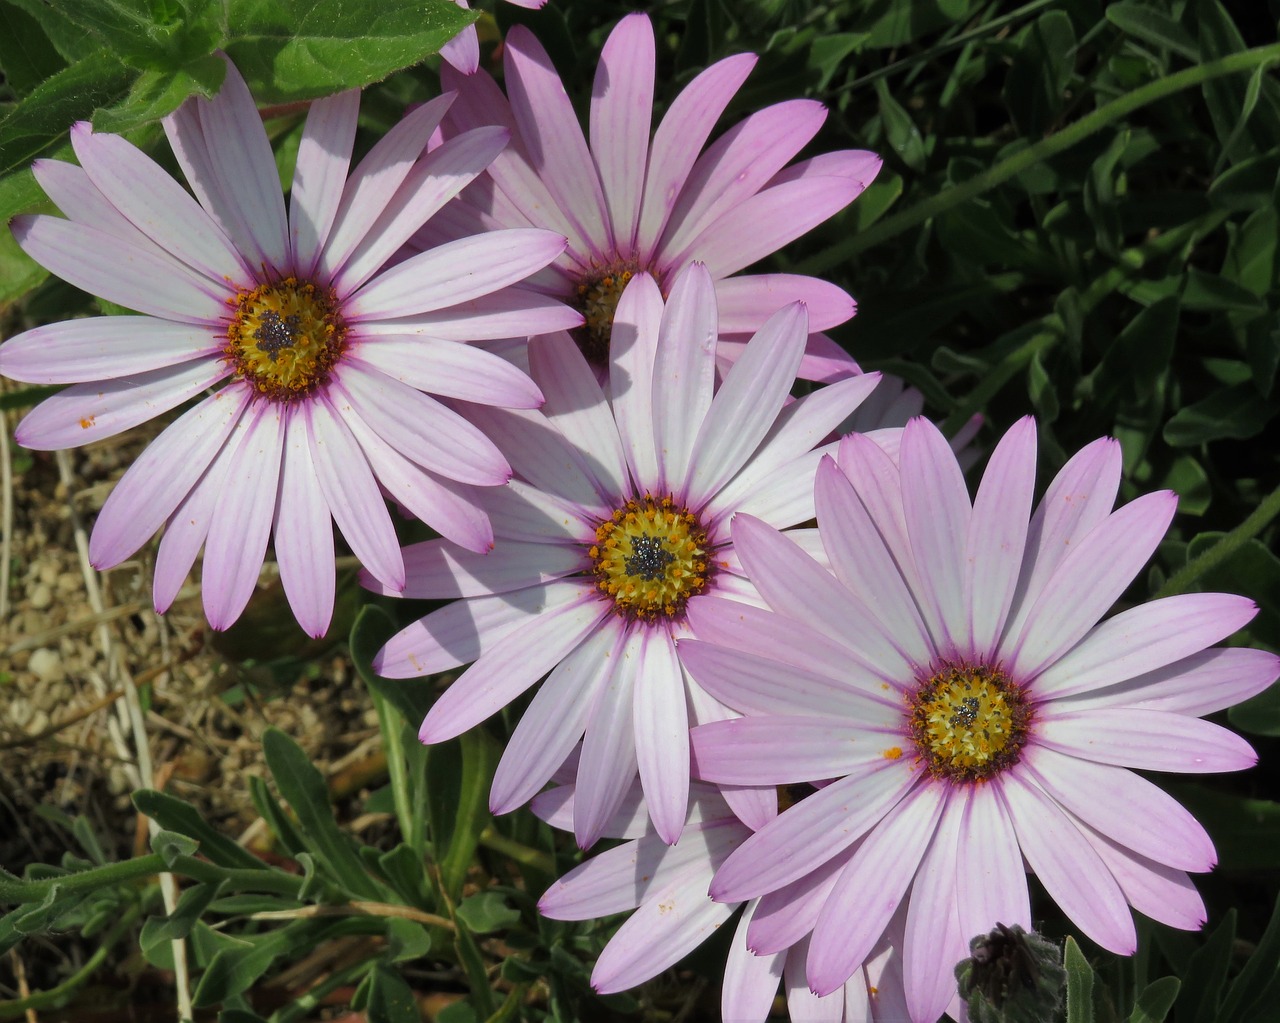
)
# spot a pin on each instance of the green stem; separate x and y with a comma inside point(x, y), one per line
point(1038, 153)
point(513, 850)
point(274, 882)
point(1182, 579)
point(14, 889)
point(55, 995)
point(391, 724)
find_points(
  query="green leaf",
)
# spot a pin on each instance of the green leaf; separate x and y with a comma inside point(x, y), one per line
point(1259, 714)
point(479, 755)
point(1251, 257)
point(26, 54)
point(1250, 570)
point(156, 94)
point(829, 54)
point(304, 788)
point(19, 273)
point(1248, 185)
point(1237, 412)
point(299, 49)
point(170, 845)
point(175, 815)
point(1079, 984)
point(391, 1000)
point(1148, 340)
point(900, 131)
point(158, 934)
point(235, 970)
point(1250, 986)
point(146, 36)
point(406, 940)
point(1152, 25)
point(1153, 1005)
point(1042, 67)
point(1205, 974)
point(41, 120)
point(486, 912)
point(278, 820)
point(1187, 478)
point(1245, 832)
point(71, 41)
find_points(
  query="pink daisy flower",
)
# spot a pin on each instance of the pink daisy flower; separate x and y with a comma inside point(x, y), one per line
point(463, 50)
point(324, 360)
point(633, 205)
point(666, 887)
point(950, 672)
point(615, 525)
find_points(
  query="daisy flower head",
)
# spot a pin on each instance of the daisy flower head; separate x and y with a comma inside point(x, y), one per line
point(630, 204)
point(949, 674)
point(462, 52)
point(665, 889)
point(323, 357)
point(615, 525)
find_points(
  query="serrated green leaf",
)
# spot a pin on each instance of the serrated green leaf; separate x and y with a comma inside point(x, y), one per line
point(391, 1000)
point(71, 41)
point(1079, 984)
point(41, 120)
point(1154, 26)
point(1237, 412)
point(1155, 1001)
point(304, 788)
point(156, 94)
point(149, 36)
point(26, 54)
point(299, 49)
point(486, 912)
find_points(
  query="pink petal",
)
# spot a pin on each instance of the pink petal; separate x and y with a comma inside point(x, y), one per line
point(240, 155)
point(998, 533)
point(515, 662)
point(1149, 740)
point(608, 763)
point(679, 139)
point(448, 368)
point(552, 137)
point(632, 350)
point(683, 371)
point(237, 540)
point(467, 629)
point(303, 537)
point(785, 915)
point(84, 413)
point(577, 407)
point(621, 105)
point(438, 570)
point(498, 316)
point(186, 530)
point(735, 167)
point(992, 885)
point(420, 428)
point(750, 981)
point(933, 942)
point(1144, 638)
point(871, 886)
point(787, 749)
point(1079, 498)
point(1072, 873)
point(1203, 683)
point(120, 271)
point(158, 206)
point(351, 492)
point(82, 202)
point(433, 181)
point(1163, 893)
point(936, 505)
point(104, 348)
point(746, 302)
point(463, 50)
point(455, 272)
point(555, 719)
point(319, 175)
point(864, 564)
point(1088, 581)
point(162, 476)
point(669, 925)
point(811, 832)
point(662, 734)
point(752, 393)
point(802, 1003)
point(1137, 814)
point(369, 189)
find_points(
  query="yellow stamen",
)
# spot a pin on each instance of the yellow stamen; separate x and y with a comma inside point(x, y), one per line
point(284, 337)
point(969, 722)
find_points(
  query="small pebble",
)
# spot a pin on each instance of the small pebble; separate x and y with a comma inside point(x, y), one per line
point(45, 664)
point(41, 596)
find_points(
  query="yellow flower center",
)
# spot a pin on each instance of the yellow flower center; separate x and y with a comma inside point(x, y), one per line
point(650, 557)
point(285, 337)
point(968, 722)
point(598, 295)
